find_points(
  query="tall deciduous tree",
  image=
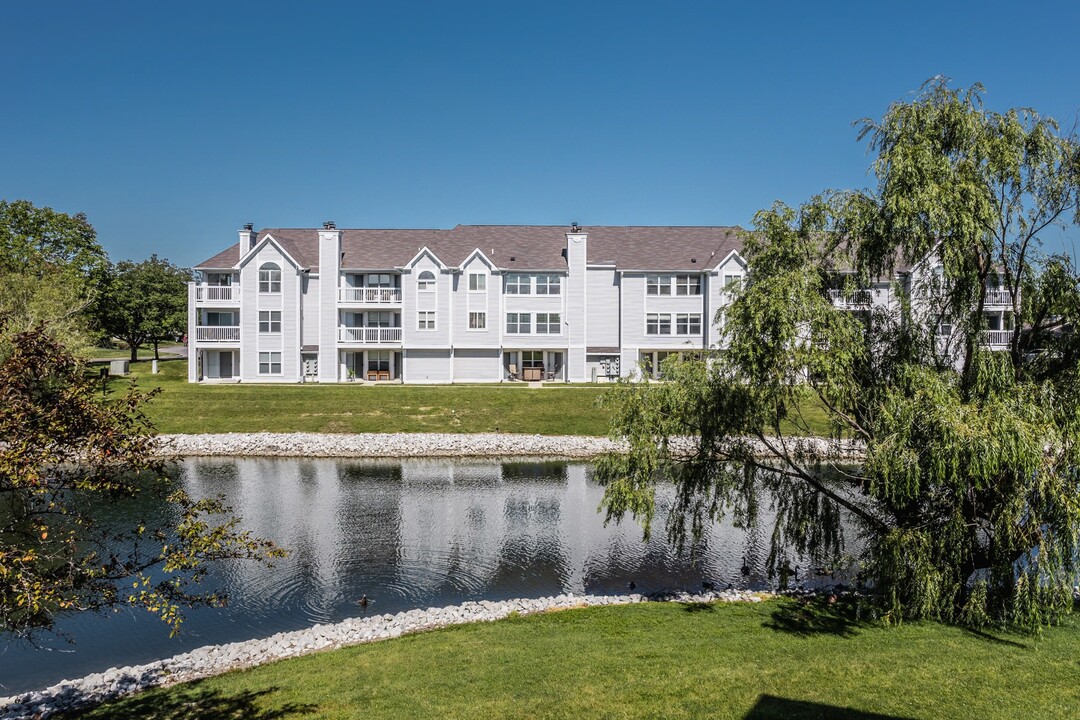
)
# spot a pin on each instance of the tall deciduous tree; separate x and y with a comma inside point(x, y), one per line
point(145, 302)
point(969, 496)
point(51, 271)
point(66, 456)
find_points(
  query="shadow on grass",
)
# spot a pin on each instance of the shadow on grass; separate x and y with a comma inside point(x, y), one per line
point(199, 703)
point(983, 635)
point(770, 707)
point(816, 616)
point(696, 607)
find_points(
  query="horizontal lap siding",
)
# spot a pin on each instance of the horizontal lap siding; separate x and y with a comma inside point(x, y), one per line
point(477, 365)
point(428, 366)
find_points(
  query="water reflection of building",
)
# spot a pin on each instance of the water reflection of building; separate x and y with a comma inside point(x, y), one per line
point(423, 529)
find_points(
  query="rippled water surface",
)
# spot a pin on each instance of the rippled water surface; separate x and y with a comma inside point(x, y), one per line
point(406, 534)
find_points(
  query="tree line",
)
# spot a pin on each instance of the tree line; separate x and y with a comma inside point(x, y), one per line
point(54, 270)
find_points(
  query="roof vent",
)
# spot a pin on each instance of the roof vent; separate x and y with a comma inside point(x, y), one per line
point(249, 226)
point(512, 258)
point(693, 260)
point(329, 225)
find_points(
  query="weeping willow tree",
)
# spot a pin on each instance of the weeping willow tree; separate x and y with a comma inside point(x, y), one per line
point(968, 492)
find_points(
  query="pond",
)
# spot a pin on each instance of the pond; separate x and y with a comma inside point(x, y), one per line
point(408, 534)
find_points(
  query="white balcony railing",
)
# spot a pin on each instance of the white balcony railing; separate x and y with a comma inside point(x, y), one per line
point(223, 333)
point(370, 335)
point(997, 338)
point(855, 298)
point(1001, 298)
point(216, 293)
point(370, 296)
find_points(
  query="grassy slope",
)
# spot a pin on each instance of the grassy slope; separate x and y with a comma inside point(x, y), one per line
point(775, 659)
point(354, 407)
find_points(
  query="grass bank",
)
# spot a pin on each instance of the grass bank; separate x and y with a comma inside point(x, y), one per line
point(772, 660)
point(184, 407)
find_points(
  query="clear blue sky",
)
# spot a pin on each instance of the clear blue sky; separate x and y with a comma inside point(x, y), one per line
point(171, 124)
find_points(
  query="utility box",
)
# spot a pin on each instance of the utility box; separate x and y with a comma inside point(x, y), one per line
point(118, 367)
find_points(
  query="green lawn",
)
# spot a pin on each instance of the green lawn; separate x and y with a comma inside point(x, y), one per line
point(146, 352)
point(772, 660)
point(184, 407)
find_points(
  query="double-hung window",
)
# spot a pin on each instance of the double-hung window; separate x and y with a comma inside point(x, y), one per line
point(477, 282)
point(658, 324)
point(269, 363)
point(732, 281)
point(478, 321)
point(518, 323)
point(657, 284)
point(548, 324)
point(687, 284)
point(425, 320)
point(269, 321)
point(269, 278)
point(518, 284)
point(688, 324)
point(548, 285)
point(425, 281)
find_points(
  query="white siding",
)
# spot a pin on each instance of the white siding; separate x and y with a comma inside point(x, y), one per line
point(477, 365)
point(309, 312)
point(428, 366)
point(603, 308)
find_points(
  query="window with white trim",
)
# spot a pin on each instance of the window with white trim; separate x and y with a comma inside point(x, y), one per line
point(732, 281)
point(548, 285)
point(425, 281)
point(687, 284)
point(518, 284)
point(269, 363)
point(425, 320)
point(478, 321)
point(269, 278)
point(658, 323)
point(688, 324)
point(477, 282)
point(518, 323)
point(548, 324)
point(269, 321)
point(657, 284)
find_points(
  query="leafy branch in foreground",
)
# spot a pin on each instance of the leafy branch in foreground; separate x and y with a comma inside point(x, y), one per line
point(968, 502)
point(71, 467)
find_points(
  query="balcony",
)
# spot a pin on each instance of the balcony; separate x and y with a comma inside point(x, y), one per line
point(997, 298)
point(997, 338)
point(218, 333)
point(856, 299)
point(369, 296)
point(369, 335)
point(217, 294)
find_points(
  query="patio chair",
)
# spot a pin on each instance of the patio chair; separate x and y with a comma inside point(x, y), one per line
point(513, 371)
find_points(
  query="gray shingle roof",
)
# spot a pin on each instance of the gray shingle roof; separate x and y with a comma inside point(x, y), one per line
point(524, 247)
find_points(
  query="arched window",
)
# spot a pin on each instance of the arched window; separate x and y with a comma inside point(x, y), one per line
point(269, 278)
point(425, 282)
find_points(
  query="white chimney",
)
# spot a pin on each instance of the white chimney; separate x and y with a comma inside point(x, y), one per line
point(247, 239)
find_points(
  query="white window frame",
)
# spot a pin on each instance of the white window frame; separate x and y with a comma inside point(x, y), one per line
point(425, 320)
point(686, 322)
point(269, 363)
point(732, 281)
point(545, 322)
point(658, 285)
point(520, 320)
point(548, 284)
point(684, 284)
point(656, 322)
point(426, 284)
point(518, 284)
point(478, 282)
point(269, 279)
point(478, 320)
point(267, 320)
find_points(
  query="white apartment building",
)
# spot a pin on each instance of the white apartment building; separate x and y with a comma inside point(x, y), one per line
point(471, 304)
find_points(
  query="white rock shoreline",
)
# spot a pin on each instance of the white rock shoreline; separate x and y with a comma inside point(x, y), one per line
point(204, 662)
point(433, 445)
